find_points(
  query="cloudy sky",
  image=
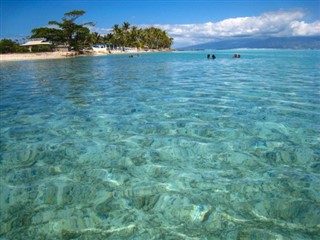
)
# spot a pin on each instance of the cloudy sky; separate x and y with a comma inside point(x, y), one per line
point(189, 22)
point(282, 23)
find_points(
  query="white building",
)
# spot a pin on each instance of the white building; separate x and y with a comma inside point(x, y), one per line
point(30, 44)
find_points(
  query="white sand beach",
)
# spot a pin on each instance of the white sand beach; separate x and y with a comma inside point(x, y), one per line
point(10, 57)
point(35, 56)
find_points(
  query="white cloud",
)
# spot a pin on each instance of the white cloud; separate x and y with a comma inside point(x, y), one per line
point(102, 31)
point(305, 29)
point(271, 24)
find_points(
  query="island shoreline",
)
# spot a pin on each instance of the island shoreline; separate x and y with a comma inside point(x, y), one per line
point(14, 57)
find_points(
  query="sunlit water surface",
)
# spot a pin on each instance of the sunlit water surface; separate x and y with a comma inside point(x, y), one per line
point(161, 146)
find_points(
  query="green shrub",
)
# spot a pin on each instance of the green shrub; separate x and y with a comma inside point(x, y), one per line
point(8, 46)
point(41, 48)
point(21, 50)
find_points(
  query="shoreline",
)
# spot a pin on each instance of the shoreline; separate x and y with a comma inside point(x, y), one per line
point(14, 57)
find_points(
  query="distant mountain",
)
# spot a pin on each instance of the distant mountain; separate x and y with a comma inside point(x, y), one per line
point(271, 42)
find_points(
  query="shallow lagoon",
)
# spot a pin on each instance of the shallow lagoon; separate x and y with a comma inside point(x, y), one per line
point(162, 146)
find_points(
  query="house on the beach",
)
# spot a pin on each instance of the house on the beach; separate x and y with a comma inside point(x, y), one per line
point(34, 43)
point(41, 42)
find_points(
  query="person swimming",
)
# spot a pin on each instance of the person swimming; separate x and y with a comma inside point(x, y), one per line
point(236, 55)
point(213, 56)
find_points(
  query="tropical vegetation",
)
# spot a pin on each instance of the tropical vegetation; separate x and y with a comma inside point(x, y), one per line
point(67, 32)
point(132, 36)
point(78, 36)
point(10, 46)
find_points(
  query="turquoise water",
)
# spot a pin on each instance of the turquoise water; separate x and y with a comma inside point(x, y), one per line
point(162, 146)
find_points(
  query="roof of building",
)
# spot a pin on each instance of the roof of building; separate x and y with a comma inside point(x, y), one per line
point(35, 43)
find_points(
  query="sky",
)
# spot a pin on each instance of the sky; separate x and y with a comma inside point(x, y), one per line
point(189, 22)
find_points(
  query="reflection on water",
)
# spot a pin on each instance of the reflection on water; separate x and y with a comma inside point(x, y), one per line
point(161, 146)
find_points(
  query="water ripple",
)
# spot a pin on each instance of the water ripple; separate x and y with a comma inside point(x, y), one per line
point(161, 146)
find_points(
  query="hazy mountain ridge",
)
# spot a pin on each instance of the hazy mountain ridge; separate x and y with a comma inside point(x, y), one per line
point(271, 42)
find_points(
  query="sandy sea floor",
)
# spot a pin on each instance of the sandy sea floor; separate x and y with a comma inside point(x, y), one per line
point(170, 146)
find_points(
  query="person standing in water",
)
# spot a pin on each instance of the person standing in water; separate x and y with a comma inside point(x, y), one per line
point(213, 56)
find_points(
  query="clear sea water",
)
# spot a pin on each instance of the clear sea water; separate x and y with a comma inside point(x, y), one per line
point(162, 146)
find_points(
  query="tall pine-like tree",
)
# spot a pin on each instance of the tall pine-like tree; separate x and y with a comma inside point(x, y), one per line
point(67, 32)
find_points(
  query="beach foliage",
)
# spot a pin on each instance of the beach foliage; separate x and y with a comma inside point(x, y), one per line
point(132, 36)
point(10, 46)
point(66, 32)
point(7, 46)
point(77, 36)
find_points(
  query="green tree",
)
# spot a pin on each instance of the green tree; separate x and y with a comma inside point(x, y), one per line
point(96, 38)
point(107, 38)
point(132, 36)
point(116, 34)
point(125, 34)
point(156, 38)
point(66, 32)
point(8, 46)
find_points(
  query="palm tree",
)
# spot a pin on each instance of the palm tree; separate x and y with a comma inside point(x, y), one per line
point(107, 38)
point(126, 26)
point(125, 33)
point(115, 28)
point(152, 37)
point(133, 37)
point(117, 34)
point(96, 37)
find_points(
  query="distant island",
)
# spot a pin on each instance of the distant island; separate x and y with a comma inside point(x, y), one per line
point(271, 42)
